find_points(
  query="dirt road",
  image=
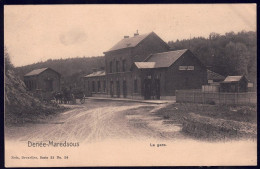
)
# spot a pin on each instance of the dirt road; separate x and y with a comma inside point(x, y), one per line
point(97, 121)
point(117, 134)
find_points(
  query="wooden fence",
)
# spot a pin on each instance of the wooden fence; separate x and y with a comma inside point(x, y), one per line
point(194, 96)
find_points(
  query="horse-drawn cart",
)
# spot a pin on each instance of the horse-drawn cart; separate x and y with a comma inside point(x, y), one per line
point(78, 95)
point(69, 96)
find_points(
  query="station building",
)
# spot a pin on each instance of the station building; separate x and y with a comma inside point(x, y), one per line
point(144, 67)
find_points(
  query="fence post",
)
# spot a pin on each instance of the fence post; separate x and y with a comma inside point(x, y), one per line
point(193, 96)
point(203, 97)
point(236, 100)
point(224, 94)
point(218, 97)
point(184, 94)
point(176, 94)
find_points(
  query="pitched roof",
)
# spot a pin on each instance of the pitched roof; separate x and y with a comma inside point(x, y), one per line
point(214, 76)
point(145, 65)
point(165, 59)
point(36, 72)
point(233, 79)
point(129, 42)
point(97, 73)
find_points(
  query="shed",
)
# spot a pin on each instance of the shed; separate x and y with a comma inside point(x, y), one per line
point(234, 84)
point(44, 79)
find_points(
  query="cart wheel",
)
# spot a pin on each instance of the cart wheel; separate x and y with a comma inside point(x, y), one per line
point(82, 101)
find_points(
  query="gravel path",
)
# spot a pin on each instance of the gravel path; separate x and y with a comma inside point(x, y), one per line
point(97, 121)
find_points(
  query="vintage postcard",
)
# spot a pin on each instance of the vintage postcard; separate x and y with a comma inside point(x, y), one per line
point(130, 85)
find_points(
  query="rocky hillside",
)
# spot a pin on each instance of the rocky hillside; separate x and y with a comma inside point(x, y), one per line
point(20, 105)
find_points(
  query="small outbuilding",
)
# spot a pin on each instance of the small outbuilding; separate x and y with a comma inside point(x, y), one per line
point(44, 79)
point(234, 84)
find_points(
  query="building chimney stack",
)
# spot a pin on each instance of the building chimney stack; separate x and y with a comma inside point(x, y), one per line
point(126, 37)
point(136, 34)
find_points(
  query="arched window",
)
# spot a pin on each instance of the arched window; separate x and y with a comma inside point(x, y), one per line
point(110, 66)
point(124, 65)
point(117, 66)
point(98, 87)
point(93, 86)
point(104, 86)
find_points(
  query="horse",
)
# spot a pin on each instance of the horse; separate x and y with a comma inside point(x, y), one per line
point(58, 97)
point(67, 96)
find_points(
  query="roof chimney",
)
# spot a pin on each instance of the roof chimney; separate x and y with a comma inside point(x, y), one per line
point(126, 37)
point(136, 34)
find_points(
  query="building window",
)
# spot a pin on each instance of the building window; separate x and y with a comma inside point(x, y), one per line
point(112, 88)
point(124, 88)
point(111, 67)
point(104, 86)
point(93, 86)
point(33, 85)
point(29, 85)
point(118, 88)
point(98, 87)
point(124, 65)
point(135, 86)
point(117, 66)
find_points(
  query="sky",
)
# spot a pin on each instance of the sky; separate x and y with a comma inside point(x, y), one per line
point(34, 33)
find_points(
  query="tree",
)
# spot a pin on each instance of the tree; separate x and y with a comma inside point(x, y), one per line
point(229, 54)
point(213, 35)
point(237, 54)
point(7, 60)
